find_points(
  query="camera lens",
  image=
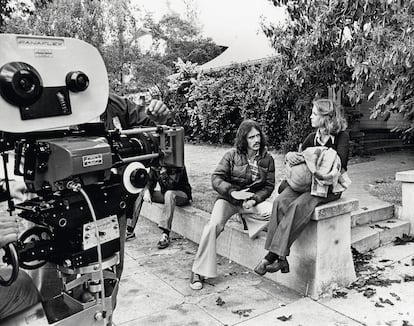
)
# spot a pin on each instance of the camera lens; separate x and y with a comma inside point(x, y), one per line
point(77, 81)
point(20, 83)
point(139, 178)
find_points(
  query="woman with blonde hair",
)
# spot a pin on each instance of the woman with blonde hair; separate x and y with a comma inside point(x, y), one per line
point(292, 210)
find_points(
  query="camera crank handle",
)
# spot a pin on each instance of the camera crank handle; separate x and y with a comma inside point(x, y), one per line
point(11, 253)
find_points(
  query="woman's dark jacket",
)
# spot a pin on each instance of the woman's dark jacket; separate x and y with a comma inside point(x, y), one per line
point(340, 144)
point(233, 173)
point(169, 178)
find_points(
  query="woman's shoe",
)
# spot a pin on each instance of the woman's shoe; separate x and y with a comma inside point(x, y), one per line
point(281, 265)
point(164, 241)
point(261, 268)
point(196, 281)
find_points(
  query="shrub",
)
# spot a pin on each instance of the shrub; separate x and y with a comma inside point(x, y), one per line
point(211, 106)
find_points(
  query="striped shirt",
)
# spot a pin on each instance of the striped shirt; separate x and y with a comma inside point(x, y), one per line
point(254, 169)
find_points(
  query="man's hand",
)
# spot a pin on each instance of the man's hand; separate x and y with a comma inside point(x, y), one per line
point(294, 158)
point(249, 203)
point(9, 229)
point(157, 111)
point(147, 196)
point(18, 190)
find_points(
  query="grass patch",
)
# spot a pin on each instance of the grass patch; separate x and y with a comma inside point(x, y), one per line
point(387, 189)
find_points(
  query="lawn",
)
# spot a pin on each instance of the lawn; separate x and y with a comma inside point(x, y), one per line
point(387, 189)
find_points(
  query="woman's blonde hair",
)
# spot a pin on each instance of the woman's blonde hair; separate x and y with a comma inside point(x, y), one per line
point(331, 115)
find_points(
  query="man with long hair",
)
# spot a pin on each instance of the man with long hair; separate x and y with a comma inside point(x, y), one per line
point(244, 179)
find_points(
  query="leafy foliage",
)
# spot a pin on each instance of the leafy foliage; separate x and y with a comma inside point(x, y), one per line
point(214, 104)
point(179, 38)
point(115, 28)
point(365, 47)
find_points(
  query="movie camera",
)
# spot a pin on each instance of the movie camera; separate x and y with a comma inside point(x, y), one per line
point(79, 175)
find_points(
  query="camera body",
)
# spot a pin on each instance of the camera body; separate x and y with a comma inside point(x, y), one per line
point(49, 82)
point(79, 175)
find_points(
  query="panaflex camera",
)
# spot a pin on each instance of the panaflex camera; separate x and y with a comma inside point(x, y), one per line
point(79, 175)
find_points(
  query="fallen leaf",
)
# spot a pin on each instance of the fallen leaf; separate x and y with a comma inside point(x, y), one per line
point(339, 294)
point(369, 292)
point(386, 301)
point(403, 240)
point(390, 323)
point(408, 278)
point(242, 312)
point(396, 296)
point(284, 318)
point(220, 301)
point(379, 305)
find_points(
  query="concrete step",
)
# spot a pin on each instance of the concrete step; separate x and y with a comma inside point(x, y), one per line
point(385, 145)
point(369, 135)
point(366, 215)
point(382, 142)
point(382, 149)
point(373, 235)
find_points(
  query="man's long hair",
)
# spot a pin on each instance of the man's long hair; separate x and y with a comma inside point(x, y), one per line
point(241, 137)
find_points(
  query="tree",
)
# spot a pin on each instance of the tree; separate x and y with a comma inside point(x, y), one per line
point(115, 28)
point(8, 8)
point(108, 26)
point(176, 38)
point(79, 19)
point(357, 45)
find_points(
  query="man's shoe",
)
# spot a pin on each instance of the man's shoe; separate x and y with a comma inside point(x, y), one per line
point(261, 268)
point(196, 281)
point(164, 241)
point(130, 236)
point(281, 265)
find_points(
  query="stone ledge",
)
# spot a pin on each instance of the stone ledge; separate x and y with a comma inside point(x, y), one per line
point(317, 261)
point(335, 208)
point(405, 176)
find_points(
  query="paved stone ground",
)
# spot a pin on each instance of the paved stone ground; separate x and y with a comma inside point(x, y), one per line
point(155, 286)
point(155, 290)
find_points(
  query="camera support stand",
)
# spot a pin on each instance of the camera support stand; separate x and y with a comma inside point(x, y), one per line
point(81, 299)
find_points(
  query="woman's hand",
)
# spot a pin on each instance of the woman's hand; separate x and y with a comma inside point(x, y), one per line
point(147, 196)
point(249, 203)
point(9, 229)
point(294, 158)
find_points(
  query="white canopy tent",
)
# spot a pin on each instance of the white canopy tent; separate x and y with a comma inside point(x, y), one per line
point(243, 51)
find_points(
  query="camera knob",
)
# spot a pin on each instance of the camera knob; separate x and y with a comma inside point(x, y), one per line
point(20, 84)
point(77, 81)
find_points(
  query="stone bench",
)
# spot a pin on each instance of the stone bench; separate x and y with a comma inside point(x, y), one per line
point(320, 258)
point(407, 200)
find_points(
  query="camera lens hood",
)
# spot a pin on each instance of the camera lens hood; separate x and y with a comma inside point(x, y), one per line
point(77, 81)
point(20, 84)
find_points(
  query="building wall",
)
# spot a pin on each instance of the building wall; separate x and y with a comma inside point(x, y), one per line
point(394, 120)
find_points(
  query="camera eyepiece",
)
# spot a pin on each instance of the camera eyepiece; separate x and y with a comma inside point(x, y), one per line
point(20, 84)
point(77, 81)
